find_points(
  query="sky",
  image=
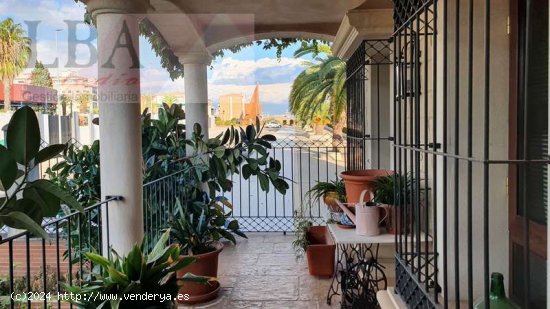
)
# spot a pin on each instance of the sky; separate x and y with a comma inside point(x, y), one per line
point(234, 73)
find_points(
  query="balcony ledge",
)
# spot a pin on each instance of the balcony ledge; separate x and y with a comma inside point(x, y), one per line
point(388, 299)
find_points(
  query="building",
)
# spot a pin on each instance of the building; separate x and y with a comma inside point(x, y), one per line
point(253, 109)
point(233, 106)
point(71, 85)
point(26, 94)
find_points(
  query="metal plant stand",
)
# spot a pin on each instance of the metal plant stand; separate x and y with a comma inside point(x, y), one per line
point(358, 275)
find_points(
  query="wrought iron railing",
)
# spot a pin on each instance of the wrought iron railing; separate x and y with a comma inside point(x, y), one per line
point(305, 160)
point(159, 200)
point(371, 60)
point(449, 132)
point(41, 266)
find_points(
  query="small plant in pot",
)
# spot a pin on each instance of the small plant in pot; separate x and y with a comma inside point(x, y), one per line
point(394, 191)
point(330, 192)
point(317, 245)
point(134, 277)
point(198, 228)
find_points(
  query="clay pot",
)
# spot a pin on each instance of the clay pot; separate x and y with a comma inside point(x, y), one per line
point(320, 253)
point(358, 180)
point(395, 221)
point(330, 199)
point(205, 265)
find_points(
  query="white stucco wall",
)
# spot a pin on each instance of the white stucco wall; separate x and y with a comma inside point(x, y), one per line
point(499, 100)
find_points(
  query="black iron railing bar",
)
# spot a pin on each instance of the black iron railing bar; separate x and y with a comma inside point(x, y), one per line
point(469, 146)
point(457, 153)
point(486, 142)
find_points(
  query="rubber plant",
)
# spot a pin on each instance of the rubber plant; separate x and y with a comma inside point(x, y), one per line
point(211, 161)
point(203, 216)
point(26, 202)
point(138, 274)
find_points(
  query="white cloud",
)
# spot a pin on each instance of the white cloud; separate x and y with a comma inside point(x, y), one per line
point(50, 12)
point(264, 70)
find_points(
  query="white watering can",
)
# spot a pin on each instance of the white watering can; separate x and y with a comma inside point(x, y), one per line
point(366, 217)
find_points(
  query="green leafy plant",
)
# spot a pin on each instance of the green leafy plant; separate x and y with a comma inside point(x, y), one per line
point(163, 140)
point(321, 188)
point(235, 151)
point(78, 173)
point(197, 234)
point(301, 240)
point(25, 201)
point(202, 219)
point(137, 273)
point(393, 189)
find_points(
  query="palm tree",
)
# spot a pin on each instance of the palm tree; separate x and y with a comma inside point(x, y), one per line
point(65, 100)
point(15, 50)
point(320, 89)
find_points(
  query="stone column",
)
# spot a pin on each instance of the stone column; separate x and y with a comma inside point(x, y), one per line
point(195, 65)
point(119, 120)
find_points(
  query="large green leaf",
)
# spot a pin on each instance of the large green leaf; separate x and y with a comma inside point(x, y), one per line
point(97, 259)
point(160, 248)
point(26, 206)
point(133, 263)
point(189, 277)
point(48, 203)
point(8, 169)
point(19, 220)
point(53, 189)
point(23, 135)
point(264, 182)
point(49, 153)
point(118, 276)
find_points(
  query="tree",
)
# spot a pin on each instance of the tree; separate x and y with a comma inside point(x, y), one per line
point(84, 101)
point(40, 76)
point(320, 89)
point(169, 99)
point(65, 100)
point(15, 50)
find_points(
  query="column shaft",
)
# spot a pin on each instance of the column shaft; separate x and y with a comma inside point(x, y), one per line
point(119, 118)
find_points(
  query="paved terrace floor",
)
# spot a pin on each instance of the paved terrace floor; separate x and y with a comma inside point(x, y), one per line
point(262, 272)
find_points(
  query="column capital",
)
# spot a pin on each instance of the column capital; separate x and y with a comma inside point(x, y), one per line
point(98, 7)
point(361, 24)
point(198, 57)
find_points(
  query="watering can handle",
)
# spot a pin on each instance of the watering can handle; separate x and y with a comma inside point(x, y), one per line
point(386, 211)
point(362, 196)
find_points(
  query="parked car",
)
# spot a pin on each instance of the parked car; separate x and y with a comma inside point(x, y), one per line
point(273, 125)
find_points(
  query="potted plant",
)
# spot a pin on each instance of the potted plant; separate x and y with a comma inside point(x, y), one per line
point(138, 274)
point(25, 202)
point(330, 192)
point(316, 243)
point(393, 191)
point(201, 220)
point(199, 237)
point(358, 180)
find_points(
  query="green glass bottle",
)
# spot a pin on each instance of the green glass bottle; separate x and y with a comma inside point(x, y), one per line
point(497, 295)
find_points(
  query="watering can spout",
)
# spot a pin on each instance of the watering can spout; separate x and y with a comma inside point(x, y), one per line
point(347, 211)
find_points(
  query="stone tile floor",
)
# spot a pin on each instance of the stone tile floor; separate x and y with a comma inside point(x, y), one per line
point(262, 272)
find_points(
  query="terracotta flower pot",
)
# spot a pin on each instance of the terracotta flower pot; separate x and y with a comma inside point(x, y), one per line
point(359, 180)
point(320, 253)
point(205, 265)
point(396, 221)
